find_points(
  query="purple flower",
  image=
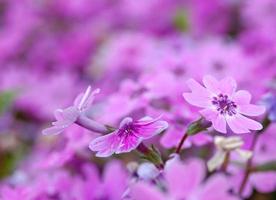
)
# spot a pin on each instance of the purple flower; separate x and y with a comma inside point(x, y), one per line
point(70, 115)
point(270, 103)
point(129, 135)
point(223, 106)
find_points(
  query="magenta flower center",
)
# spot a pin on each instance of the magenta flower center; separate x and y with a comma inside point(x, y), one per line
point(127, 130)
point(224, 105)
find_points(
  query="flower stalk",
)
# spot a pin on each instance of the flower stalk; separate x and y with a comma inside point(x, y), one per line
point(193, 129)
point(266, 122)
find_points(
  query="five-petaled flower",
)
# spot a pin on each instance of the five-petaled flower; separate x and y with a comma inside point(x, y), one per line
point(68, 116)
point(224, 105)
point(129, 135)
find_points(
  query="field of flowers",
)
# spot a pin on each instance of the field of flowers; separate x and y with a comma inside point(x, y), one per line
point(137, 99)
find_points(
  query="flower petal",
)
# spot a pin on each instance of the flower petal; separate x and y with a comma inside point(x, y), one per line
point(219, 123)
point(58, 114)
point(70, 114)
point(197, 100)
point(210, 189)
point(128, 143)
point(209, 114)
point(228, 86)
point(196, 88)
point(249, 123)
point(183, 179)
point(211, 84)
point(251, 110)
point(105, 145)
point(54, 130)
point(241, 97)
point(151, 129)
point(143, 190)
point(216, 161)
point(236, 124)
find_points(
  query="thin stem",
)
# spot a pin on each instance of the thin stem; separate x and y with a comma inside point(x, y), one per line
point(248, 166)
point(183, 139)
point(266, 122)
point(226, 162)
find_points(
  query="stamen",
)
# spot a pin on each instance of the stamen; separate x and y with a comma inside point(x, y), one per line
point(224, 105)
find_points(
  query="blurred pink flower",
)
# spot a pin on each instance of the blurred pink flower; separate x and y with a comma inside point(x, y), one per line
point(129, 135)
point(184, 181)
point(70, 115)
point(223, 105)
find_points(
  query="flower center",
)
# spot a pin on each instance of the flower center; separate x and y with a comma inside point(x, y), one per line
point(224, 105)
point(127, 130)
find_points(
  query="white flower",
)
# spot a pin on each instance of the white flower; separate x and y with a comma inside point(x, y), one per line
point(226, 145)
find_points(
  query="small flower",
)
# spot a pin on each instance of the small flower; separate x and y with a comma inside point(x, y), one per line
point(223, 105)
point(66, 117)
point(129, 135)
point(225, 145)
point(269, 101)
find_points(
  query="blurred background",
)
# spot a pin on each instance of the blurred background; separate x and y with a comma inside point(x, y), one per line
point(139, 52)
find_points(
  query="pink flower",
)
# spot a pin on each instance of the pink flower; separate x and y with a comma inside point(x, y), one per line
point(129, 135)
point(223, 105)
point(184, 181)
point(70, 115)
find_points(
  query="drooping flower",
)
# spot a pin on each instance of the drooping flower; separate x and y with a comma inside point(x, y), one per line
point(66, 117)
point(225, 145)
point(223, 105)
point(129, 135)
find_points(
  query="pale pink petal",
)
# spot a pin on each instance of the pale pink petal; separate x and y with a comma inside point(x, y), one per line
point(78, 99)
point(216, 188)
point(219, 123)
point(142, 191)
point(211, 84)
point(87, 102)
point(196, 88)
point(197, 100)
point(83, 100)
point(251, 110)
point(147, 120)
point(55, 130)
point(115, 179)
point(105, 145)
point(128, 143)
point(241, 97)
point(228, 86)
point(62, 123)
point(264, 182)
point(150, 130)
point(183, 179)
point(58, 114)
point(209, 114)
point(70, 114)
point(236, 125)
point(249, 123)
